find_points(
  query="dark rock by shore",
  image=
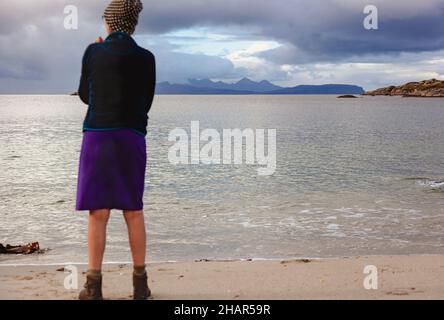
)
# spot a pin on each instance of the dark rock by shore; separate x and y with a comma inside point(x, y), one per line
point(20, 249)
point(347, 96)
point(426, 89)
point(74, 94)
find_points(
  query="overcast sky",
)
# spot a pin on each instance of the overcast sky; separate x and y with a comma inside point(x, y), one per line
point(288, 42)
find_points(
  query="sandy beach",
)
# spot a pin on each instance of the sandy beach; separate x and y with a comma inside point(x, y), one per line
point(399, 277)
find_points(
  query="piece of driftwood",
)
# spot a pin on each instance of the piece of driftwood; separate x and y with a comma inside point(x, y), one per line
point(20, 249)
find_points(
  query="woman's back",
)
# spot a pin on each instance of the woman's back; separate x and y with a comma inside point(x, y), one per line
point(118, 83)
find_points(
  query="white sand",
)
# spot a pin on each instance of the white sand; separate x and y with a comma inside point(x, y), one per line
point(399, 277)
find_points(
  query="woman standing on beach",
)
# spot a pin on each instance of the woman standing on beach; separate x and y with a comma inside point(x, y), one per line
point(117, 82)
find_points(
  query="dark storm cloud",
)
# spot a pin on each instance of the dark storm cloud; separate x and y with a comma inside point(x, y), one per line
point(317, 26)
point(320, 28)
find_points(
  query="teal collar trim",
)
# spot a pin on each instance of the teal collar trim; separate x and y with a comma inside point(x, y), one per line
point(119, 36)
point(112, 129)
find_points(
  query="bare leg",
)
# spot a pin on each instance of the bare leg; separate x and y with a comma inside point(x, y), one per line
point(137, 236)
point(98, 219)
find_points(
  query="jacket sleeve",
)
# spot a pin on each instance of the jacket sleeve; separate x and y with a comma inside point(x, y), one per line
point(84, 78)
point(152, 82)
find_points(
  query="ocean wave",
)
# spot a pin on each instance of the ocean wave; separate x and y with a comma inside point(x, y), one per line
point(432, 185)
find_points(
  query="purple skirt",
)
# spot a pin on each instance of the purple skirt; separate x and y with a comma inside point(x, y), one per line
point(111, 170)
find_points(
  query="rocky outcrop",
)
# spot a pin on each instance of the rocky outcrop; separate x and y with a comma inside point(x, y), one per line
point(426, 88)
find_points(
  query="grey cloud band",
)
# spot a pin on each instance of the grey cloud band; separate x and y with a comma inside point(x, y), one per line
point(123, 15)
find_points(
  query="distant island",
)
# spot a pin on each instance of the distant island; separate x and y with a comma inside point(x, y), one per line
point(424, 89)
point(247, 86)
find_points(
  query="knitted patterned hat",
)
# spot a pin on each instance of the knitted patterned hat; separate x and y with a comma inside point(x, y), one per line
point(123, 15)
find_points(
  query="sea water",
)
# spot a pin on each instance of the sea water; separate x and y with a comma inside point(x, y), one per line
point(353, 177)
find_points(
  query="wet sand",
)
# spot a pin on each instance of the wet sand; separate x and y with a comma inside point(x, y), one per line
point(399, 277)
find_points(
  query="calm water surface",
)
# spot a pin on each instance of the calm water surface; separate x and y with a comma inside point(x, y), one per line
point(354, 177)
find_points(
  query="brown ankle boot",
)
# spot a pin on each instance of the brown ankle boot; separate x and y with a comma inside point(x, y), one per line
point(141, 290)
point(93, 288)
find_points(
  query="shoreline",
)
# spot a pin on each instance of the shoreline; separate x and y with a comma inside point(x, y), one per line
point(399, 277)
point(258, 259)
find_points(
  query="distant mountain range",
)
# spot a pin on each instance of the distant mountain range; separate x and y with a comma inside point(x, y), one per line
point(247, 86)
point(244, 84)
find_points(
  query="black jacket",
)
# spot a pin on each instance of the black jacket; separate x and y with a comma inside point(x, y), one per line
point(118, 82)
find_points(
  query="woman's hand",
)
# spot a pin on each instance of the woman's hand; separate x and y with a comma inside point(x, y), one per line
point(99, 40)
